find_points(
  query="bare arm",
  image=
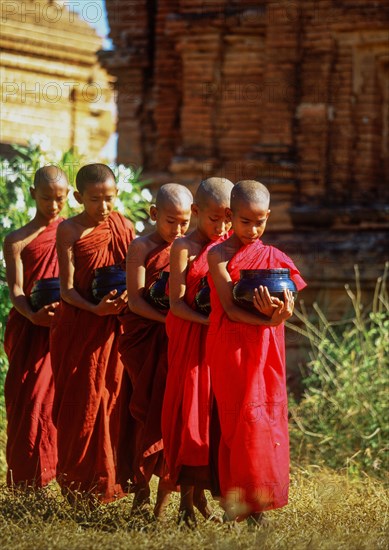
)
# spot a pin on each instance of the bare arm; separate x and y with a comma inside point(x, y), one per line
point(136, 280)
point(217, 262)
point(109, 305)
point(15, 278)
point(179, 257)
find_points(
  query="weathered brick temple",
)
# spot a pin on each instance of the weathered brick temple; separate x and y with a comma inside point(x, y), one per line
point(295, 94)
point(51, 81)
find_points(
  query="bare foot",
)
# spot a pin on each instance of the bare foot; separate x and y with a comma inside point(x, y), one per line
point(201, 503)
point(256, 520)
point(186, 518)
point(163, 497)
point(141, 500)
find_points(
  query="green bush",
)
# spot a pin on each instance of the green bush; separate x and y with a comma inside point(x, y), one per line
point(343, 417)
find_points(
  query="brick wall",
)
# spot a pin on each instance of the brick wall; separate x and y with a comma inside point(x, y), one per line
point(295, 94)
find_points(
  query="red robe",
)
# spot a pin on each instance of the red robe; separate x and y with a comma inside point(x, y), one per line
point(143, 348)
point(29, 388)
point(187, 403)
point(247, 365)
point(88, 372)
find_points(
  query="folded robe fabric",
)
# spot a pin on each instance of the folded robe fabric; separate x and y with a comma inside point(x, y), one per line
point(29, 388)
point(88, 409)
point(247, 365)
point(187, 405)
point(143, 348)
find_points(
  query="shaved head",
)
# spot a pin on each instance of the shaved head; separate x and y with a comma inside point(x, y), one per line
point(92, 174)
point(174, 194)
point(217, 190)
point(250, 191)
point(49, 174)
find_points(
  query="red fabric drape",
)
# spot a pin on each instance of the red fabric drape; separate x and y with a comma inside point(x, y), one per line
point(29, 389)
point(143, 348)
point(248, 378)
point(90, 404)
point(187, 403)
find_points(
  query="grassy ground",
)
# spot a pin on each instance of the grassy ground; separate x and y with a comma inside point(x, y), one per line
point(326, 510)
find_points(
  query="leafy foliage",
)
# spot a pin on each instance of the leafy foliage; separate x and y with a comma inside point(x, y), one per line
point(343, 417)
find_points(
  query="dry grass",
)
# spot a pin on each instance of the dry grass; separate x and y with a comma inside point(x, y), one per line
point(326, 510)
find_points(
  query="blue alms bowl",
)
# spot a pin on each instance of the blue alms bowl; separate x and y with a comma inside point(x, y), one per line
point(156, 294)
point(203, 297)
point(106, 279)
point(276, 280)
point(44, 292)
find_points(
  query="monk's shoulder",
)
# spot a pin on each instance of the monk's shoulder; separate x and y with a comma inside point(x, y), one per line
point(223, 252)
point(181, 243)
point(184, 247)
point(190, 243)
point(17, 235)
point(69, 230)
point(21, 236)
point(139, 248)
point(218, 251)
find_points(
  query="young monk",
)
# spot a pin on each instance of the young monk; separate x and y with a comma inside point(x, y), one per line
point(187, 403)
point(84, 340)
point(30, 254)
point(143, 345)
point(246, 354)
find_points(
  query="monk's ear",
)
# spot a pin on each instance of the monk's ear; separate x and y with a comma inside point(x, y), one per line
point(33, 192)
point(153, 213)
point(77, 195)
point(195, 209)
point(228, 214)
point(268, 214)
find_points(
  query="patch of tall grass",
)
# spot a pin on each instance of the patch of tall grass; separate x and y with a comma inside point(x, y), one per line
point(326, 511)
point(342, 419)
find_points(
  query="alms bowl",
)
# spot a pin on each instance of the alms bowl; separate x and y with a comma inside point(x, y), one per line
point(156, 294)
point(44, 292)
point(106, 279)
point(276, 280)
point(203, 298)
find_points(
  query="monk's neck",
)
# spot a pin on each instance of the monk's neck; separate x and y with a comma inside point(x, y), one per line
point(40, 222)
point(87, 221)
point(235, 243)
point(199, 238)
point(157, 239)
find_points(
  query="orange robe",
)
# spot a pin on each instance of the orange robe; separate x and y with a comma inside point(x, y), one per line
point(187, 405)
point(29, 388)
point(143, 348)
point(88, 410)
point(247, 365)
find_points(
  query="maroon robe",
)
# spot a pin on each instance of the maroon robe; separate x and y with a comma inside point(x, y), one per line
point(29, 388)
point(88, 372)
point(247, 365)
point(143, 348)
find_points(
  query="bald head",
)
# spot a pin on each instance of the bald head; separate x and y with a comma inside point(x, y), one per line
point(49, 174)
point(174, 194)
point(90, 174)
point(217, 190)
point(250, 192)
